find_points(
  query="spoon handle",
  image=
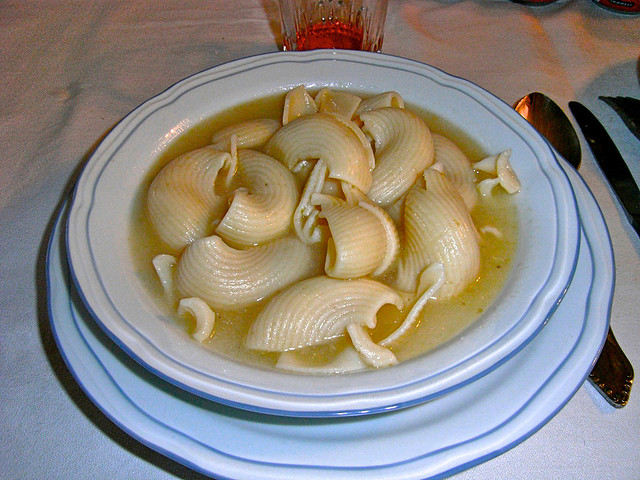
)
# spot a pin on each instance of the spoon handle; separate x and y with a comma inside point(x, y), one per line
point(612, 374)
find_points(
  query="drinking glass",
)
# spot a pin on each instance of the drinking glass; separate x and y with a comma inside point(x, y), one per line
point(345, 24)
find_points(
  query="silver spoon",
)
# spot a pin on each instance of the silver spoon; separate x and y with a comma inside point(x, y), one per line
point(552, 123)
point(612, 375)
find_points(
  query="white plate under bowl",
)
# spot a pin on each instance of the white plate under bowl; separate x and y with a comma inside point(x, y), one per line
point(431, 440)
point(99, 223)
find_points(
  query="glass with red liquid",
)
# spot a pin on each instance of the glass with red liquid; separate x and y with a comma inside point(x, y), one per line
point(344, 24)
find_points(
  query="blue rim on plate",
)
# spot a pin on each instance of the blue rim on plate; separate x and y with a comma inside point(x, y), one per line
point(431, 440)
point(100, 265)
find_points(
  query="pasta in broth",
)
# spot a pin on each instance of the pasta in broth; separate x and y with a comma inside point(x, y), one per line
point(337, 237)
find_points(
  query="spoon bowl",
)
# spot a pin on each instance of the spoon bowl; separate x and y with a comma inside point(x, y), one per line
point(552, 123)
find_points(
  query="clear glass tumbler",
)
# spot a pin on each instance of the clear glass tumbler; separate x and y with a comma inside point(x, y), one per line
point(344, 24)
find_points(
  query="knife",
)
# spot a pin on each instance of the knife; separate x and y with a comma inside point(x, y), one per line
point(628, 109)
point(612, 374)
point(611, 163)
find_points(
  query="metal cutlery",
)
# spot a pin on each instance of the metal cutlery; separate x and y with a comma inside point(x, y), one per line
point(552, 123)
point(612, 373)
point(611, 163)
point(628, 109)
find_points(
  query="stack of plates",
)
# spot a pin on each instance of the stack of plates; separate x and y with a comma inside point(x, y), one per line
point(432, 415)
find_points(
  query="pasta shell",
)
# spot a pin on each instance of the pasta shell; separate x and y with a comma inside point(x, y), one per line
point(438, 229)
point(392, 238)
point(357, 245)
point(317, 310)
point(499, 166)
point(297, 103)
point(205, 318)
point(343, 103)
point(262, 208)
point(457, 168)
point(382, 100)
point(372, 353)
point(164, 265)
point(305, 216)
point(249, 134)
point(404, 148)
point(431, 280)
point(331, 138)
point(182, 200)
point(228, 278)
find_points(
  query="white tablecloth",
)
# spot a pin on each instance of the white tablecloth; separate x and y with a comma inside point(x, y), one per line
point(72, 69)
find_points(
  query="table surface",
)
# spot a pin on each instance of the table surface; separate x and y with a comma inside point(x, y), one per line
point(73, 69)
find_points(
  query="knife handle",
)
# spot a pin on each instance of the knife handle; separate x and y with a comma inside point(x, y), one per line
point(613, 374)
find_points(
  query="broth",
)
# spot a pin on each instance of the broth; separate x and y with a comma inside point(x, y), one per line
point(440, 321)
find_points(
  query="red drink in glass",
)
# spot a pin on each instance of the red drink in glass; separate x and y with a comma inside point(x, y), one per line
point(340, 24)
point(330, 35)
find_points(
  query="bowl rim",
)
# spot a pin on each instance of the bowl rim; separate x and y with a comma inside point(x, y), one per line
point(358, 393)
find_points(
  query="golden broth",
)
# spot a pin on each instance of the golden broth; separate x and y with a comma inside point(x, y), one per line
point(440, 321)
